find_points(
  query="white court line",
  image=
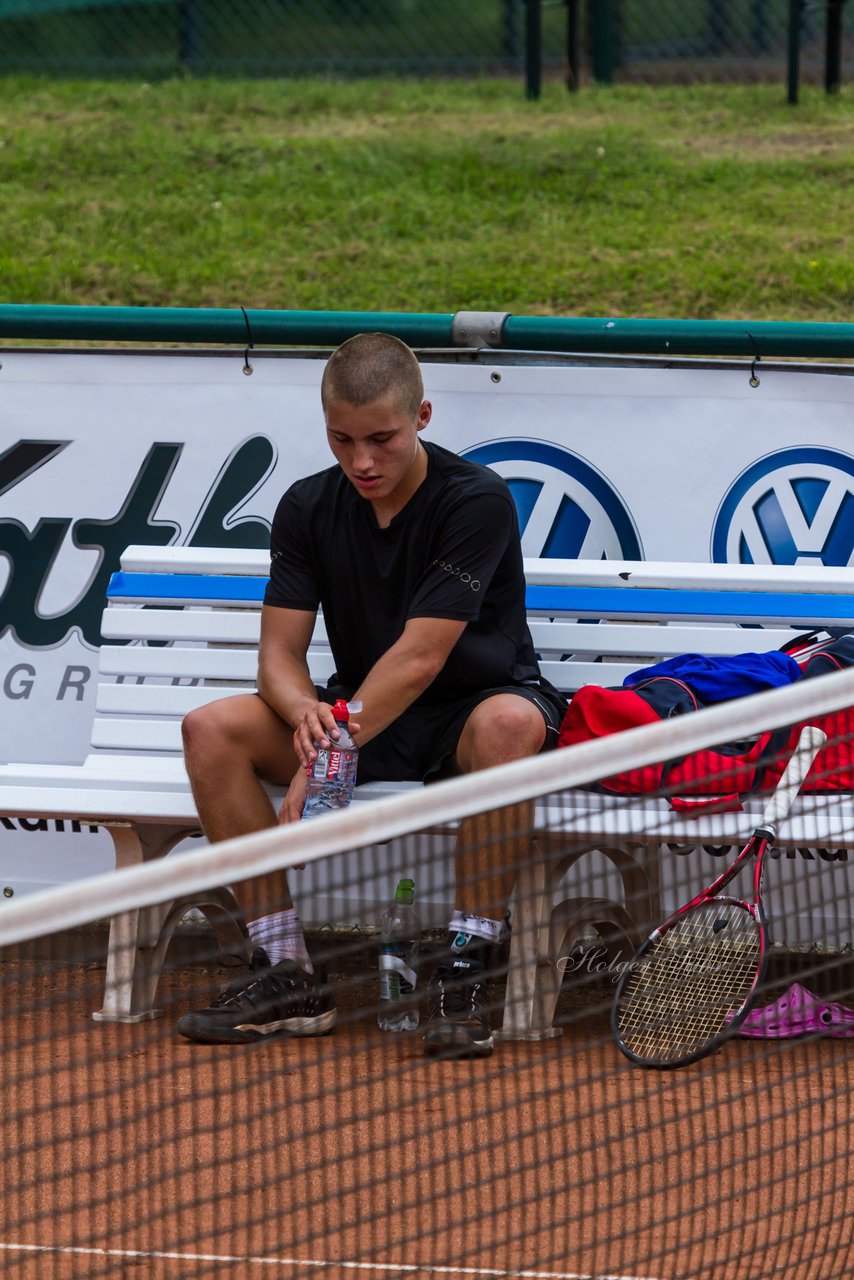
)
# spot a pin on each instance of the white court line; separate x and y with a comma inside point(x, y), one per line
point(244, 1259)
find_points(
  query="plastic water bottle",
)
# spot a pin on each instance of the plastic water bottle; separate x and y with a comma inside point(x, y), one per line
point(332, 775)
point(401, 934)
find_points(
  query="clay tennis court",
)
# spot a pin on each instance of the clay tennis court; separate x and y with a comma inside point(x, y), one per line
point(128, 1152)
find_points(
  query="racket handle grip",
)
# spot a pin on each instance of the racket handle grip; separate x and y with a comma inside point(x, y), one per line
point(810, 742)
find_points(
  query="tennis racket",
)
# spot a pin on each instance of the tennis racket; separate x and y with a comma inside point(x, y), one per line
point(695, 979)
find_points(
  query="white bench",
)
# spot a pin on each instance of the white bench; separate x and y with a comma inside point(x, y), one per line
point(181, 628)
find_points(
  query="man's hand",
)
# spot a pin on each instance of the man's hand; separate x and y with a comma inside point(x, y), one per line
point(294, 801)
point(317, 728)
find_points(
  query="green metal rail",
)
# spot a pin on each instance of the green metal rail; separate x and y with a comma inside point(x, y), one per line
point(464, 329)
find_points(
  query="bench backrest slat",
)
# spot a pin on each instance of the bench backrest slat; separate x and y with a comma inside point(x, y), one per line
point(192, 617)
point(141, 558)
point(653, 640)
point(136, 734)
point(145, 700)
point(135, 623)
point(628, 574)
point(686, 575)
point(185, 588)
point(170, 661)
point(805, 609)
point(176, 699)
point(781, 608)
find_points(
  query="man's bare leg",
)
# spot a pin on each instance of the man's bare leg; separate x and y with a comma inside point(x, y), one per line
point(229, 746)
point(489, 850)
point(491, 846)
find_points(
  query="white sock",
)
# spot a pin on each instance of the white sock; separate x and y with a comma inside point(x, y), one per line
point(281, 937)
point(476, 926)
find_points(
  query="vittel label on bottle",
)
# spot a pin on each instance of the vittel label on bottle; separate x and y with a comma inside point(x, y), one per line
point(334, 767)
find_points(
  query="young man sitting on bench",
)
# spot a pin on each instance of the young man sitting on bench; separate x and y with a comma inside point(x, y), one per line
point(414, 556)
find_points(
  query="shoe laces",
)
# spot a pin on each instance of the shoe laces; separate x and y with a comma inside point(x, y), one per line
point(458, 996)
point(270, 984)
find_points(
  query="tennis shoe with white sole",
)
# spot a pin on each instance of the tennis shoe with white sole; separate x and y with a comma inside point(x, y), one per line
point(457, 1019)
point(275, 1000)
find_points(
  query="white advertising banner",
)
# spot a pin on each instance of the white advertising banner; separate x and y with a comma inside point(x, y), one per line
point(99, 450)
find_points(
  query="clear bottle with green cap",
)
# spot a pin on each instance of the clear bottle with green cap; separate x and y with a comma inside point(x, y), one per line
point(401, 935)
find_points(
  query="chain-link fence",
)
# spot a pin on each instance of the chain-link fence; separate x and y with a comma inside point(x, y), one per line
point(734, 40)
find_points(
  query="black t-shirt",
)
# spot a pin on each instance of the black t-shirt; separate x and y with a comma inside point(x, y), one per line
point(452, 552)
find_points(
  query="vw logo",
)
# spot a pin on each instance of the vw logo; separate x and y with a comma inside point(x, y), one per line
point(567, 509)
point(792, 507)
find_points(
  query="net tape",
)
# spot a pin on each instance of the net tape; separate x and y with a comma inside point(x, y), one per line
point(361, 825)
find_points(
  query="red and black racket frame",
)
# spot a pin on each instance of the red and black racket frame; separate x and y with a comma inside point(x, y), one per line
point(757, 847)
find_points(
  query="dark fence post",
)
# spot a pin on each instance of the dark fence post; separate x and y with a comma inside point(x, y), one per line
point(188, 34)
point(796, 9)
point(533, 48)
point(573, 66)
point(833, 47)
point(604, 18)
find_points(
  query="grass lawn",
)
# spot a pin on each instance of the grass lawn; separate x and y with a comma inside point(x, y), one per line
point(704, 201)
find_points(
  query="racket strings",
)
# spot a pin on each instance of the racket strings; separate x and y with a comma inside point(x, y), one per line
point(691, 983)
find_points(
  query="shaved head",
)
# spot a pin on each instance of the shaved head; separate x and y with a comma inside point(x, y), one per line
point(370, 367)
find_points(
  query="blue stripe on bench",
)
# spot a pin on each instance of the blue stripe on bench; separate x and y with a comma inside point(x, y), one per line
point(198, 587)
point(803, 608)
point(798, 608)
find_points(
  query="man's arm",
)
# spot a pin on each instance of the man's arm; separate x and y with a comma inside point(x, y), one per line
point(284, 681)
point(394, 682)
point(404, 671)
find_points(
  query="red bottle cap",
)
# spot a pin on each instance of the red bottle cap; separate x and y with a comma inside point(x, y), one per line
point(341, 711)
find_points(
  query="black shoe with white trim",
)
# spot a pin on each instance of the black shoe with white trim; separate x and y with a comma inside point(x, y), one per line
point(280, 999)
point(457, 1020)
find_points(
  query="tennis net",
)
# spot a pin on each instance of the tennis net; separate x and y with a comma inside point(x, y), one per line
point(129, 1149)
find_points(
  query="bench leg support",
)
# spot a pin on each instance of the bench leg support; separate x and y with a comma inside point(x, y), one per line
point(524, 1012)
point(139, 939)
point(544, 933)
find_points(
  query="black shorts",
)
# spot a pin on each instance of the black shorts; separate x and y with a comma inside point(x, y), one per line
point(421, 744)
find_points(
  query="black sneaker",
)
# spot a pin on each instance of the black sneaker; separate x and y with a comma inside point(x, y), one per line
point(457, 1021)
point(281, 999)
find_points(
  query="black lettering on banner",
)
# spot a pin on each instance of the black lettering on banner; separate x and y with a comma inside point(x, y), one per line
point(133, 523)
point(19, 681)
point(244, 472)
point(31, 557)
point(76, 679)
point(788, 852)
point(24, 458)
point(31, 553)
point(49, 824)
